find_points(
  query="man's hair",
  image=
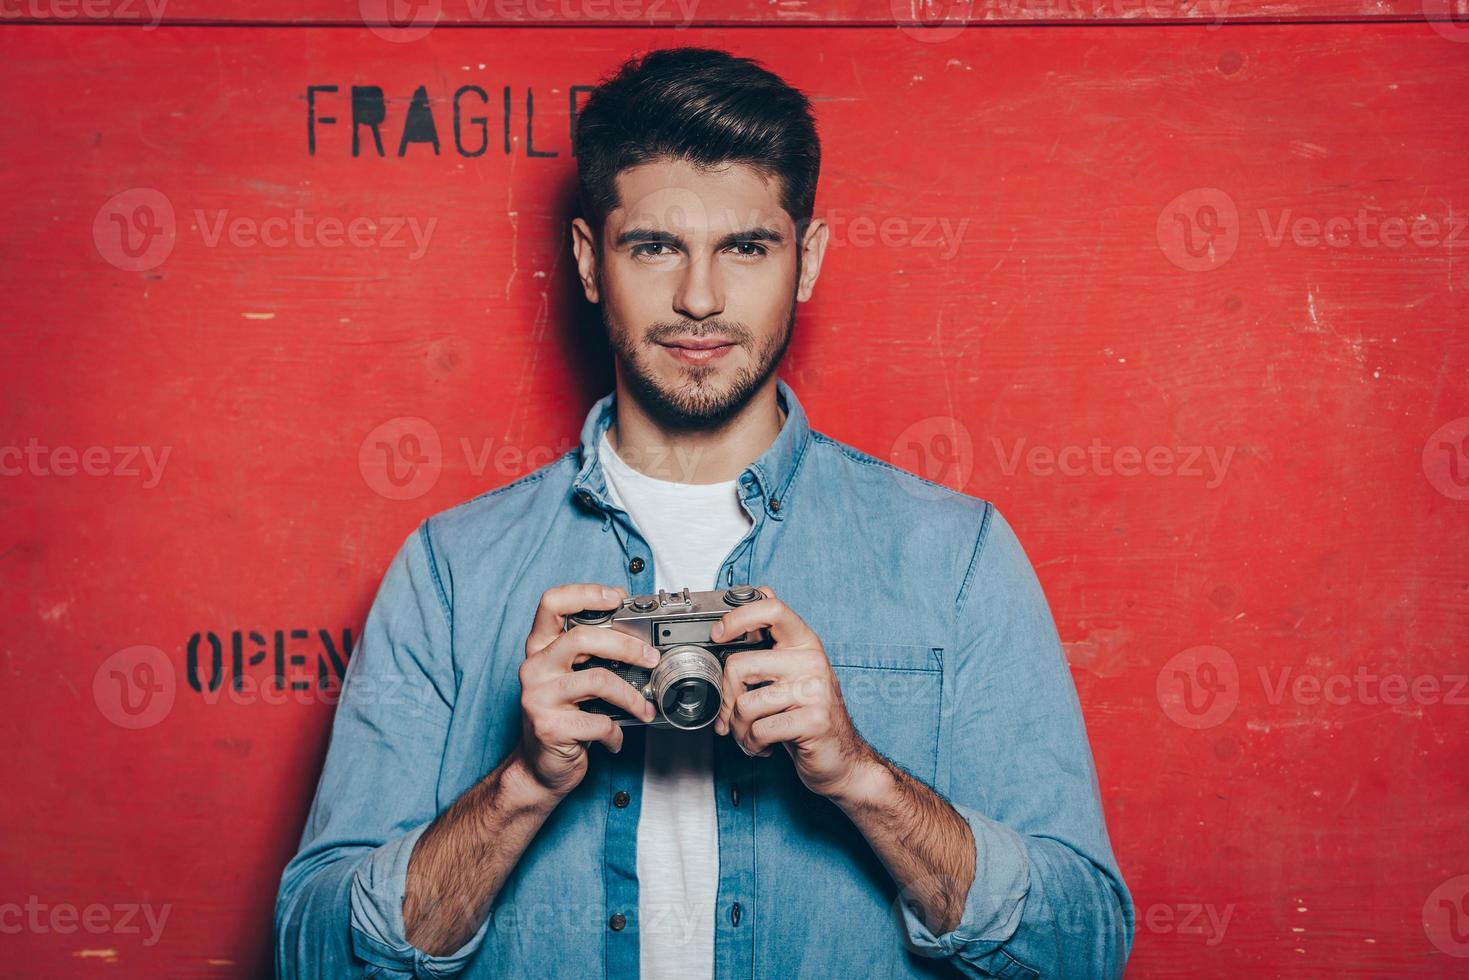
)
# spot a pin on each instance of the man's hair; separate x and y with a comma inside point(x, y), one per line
point(702, 106)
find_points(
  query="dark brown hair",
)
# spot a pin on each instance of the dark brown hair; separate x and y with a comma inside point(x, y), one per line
point(703, 106)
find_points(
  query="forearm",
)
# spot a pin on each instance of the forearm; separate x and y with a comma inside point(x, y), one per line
point(463, 858)
point(925, 845)
point(1075, 923)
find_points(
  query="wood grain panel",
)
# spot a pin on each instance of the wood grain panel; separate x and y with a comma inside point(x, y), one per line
point(1193, 299)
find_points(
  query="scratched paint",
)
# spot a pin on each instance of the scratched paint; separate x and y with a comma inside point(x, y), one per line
point(931, 20)
point(1161, 263)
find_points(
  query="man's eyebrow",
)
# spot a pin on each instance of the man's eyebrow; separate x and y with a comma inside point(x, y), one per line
point(638, 236)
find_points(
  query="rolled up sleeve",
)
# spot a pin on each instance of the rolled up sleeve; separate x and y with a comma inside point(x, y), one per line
point(339, 910)
point(1047, 896)
point(378, 932)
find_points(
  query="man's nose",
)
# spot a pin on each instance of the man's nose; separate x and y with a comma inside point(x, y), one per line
point(700, 293)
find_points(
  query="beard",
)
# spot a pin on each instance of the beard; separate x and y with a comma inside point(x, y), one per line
point(700, 398)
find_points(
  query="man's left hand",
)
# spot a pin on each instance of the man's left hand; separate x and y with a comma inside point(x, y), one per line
point(800, 707)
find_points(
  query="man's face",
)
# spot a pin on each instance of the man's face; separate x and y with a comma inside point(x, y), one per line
point(697, 278)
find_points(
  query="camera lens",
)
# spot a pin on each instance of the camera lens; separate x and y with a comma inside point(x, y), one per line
point(693, 703)
point(687, 686)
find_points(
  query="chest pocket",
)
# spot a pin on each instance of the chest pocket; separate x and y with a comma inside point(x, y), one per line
point(894, 695)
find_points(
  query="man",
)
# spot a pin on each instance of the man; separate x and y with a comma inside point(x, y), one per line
point(900, 787)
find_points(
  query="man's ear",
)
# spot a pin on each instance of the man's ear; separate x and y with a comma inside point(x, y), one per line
point(584, 246)
point(813, 250)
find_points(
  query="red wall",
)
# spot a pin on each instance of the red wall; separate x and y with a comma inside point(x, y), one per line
point(1093, 242)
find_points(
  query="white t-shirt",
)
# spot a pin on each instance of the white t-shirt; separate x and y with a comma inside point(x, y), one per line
point(691, 528)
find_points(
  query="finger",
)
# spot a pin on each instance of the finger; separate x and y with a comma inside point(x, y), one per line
point(560, 601)
point(786, 628)
point(761, 701)
point(746, 667)
point(599, 682)
point(761, 755)
point(740, 730)
point(613, 739)
point(598, 728)
point(770, 699)
point(581, 642)
point(786, 726)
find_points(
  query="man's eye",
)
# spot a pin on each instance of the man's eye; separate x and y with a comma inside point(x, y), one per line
point(639, 249)
point(759, 249)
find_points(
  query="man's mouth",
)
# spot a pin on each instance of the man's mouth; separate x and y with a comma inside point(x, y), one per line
point(697, 350)
point(697, 343)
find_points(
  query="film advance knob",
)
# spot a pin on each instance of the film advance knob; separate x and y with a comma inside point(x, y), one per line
point(644, 603)
point(591, 617)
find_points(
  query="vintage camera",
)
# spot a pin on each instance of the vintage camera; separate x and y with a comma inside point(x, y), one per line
point(686, 685)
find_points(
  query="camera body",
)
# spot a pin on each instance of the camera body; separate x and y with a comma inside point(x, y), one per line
point(686, 687)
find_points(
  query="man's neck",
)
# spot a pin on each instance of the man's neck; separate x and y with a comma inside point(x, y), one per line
point(709, 456)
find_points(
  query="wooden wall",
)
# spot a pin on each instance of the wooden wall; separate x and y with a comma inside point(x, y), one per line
point(1180, 286)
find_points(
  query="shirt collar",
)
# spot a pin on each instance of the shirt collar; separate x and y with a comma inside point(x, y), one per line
point(773, 472)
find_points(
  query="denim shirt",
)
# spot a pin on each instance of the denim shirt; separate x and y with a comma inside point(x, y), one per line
point(949, 664)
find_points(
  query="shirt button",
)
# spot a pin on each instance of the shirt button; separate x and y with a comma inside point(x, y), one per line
point(775, 503)
point(617, 921)
point(734, 793)
point(620, 798)
point(636, 565)
point(734, 914)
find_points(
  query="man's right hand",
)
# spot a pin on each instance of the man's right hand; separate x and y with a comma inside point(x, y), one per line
point(554, 730)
